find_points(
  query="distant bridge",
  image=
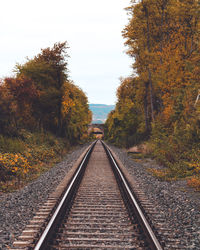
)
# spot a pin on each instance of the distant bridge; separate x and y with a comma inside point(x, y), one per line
point(96, 129)
point(97, 125)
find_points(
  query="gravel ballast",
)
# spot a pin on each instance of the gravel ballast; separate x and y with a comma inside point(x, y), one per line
point(178, 205)
point(18, 208)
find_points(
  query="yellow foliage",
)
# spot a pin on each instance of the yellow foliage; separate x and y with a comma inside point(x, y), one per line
point(67, 103)
point(15, 163)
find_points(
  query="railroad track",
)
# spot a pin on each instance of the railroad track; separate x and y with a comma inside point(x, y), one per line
point(97, 210)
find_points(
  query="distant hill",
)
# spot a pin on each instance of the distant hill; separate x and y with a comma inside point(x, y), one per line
point(100, 112)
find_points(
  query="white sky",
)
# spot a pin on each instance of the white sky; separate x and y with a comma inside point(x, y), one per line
point(92, 29)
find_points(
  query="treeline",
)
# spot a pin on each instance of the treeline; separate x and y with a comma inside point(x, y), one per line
point(159, 102)
point(40, 101)
point(41, 97)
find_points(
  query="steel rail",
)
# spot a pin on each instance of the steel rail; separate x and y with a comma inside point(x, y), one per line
point(42, 241)
point(145, 225)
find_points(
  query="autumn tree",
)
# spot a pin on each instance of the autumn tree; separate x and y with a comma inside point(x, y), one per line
point(125, 126)
point(49, 72)
point(41, 97)
point(8, 109)
point(162, 37)
point(25, 95)
point(75, 112)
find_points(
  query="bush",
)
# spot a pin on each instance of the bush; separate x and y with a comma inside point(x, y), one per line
point(179, 150)
point(13, 165)
point(194, 182)
point(28, 155)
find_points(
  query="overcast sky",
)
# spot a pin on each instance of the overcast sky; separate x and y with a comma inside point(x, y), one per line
point(92, 29)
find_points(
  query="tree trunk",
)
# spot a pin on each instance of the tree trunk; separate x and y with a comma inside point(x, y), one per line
point(149, 70)
point(146, 113)
point(151, 95)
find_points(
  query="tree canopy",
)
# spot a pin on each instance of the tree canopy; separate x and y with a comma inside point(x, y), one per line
point(158, 100)
point(42, 97)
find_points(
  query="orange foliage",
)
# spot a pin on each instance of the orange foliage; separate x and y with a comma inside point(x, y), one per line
point(194, 182)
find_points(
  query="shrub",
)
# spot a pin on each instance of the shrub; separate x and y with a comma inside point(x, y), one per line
point(194, 182)
point(13, 165)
